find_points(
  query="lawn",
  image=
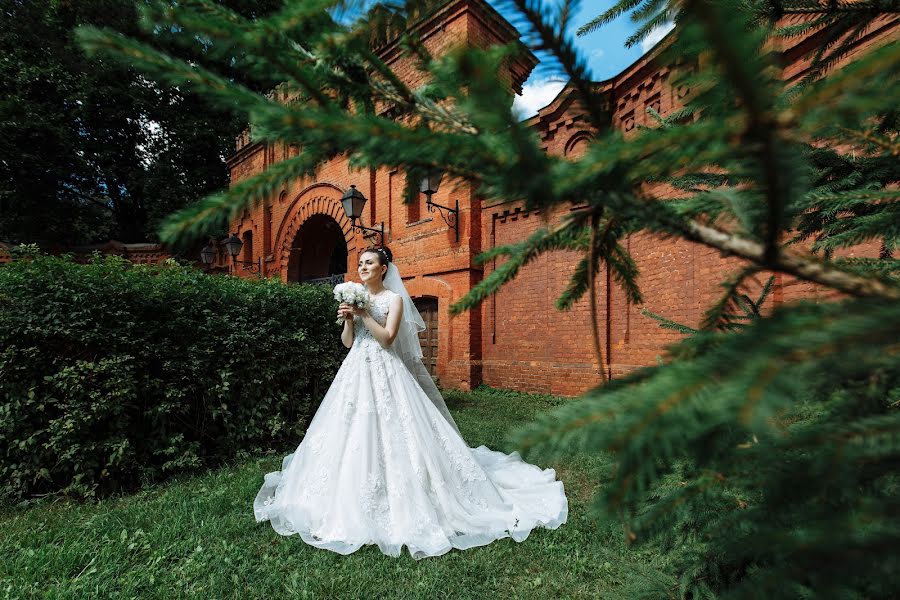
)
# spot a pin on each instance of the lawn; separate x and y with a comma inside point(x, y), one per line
point(196, 537)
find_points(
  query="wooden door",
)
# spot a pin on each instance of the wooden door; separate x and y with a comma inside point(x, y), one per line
point(428, 308)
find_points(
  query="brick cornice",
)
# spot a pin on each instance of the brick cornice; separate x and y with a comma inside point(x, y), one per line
point(487, 16)
point(243, 154)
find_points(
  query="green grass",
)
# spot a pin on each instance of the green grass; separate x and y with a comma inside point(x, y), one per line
point(196, 537)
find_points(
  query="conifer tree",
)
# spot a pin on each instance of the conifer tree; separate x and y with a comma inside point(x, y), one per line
point(762, 455)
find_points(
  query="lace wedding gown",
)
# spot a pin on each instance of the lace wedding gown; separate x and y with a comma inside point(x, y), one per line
point(381, 465)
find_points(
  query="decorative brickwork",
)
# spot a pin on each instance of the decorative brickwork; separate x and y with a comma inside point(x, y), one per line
point(317, 199)
point(518, 339)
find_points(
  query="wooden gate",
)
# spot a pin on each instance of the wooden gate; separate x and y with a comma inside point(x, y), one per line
point(428, 308)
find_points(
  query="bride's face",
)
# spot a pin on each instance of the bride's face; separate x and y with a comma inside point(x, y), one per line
point(369, 269)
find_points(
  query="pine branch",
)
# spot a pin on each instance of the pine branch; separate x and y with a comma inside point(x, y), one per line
point(611, 14)
point(842, 201)
point(851, 231)
point(753, 92)
point(265, 37)
point(808, 269)
point(519, 254)
point(842, 98)
point(215, 212)
point(173, 71)
point(715, 317)
point(851, 6)
point(669, 324)
point(617, 259)
point(650, 25)
point(638, 418)
point(554, 39)
point(767, 289)
point(803, 28)
point(888, 143)
point(625, 273)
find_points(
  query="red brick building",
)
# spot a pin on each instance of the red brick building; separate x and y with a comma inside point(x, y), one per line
point(517, 339)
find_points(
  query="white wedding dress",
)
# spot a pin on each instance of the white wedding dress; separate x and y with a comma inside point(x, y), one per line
point(381, 465)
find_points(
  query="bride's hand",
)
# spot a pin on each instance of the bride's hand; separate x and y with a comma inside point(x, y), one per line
point(358, 311)
point(345, 311)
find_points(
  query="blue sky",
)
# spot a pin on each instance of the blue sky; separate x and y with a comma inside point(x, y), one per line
point(604, 49)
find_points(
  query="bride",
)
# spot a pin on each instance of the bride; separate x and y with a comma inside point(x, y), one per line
point(382, 461)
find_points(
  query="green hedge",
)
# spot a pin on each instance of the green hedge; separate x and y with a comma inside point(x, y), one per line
point(112, 375)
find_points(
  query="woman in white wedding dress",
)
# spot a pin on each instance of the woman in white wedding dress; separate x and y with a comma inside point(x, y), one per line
point(382, 461)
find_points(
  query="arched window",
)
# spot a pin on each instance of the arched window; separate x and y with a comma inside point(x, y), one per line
point(577, 145)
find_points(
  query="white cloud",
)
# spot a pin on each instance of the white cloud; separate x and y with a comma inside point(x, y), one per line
point(536, 95)
point(656, 34)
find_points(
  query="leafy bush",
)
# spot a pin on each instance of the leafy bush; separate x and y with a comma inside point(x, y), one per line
point(112, 374)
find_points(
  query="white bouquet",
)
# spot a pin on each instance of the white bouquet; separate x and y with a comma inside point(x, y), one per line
point(351, 293)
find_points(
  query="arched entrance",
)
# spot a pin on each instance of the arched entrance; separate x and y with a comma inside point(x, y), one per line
point(318, 252)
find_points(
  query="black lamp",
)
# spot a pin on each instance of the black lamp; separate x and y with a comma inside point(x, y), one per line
point(354, 202)
point(207, 255)
point(233, 245)
point(430, 183)
point(429, 186)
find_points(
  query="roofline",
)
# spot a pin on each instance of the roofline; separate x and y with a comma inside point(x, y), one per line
point(645, 58)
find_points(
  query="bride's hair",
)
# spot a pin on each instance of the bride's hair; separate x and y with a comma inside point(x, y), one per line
point(384, 255)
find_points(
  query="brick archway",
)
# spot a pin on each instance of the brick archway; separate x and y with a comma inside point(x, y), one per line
point(317, 199)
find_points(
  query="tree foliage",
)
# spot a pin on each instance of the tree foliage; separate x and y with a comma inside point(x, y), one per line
point(763, 451)
point(90, 149)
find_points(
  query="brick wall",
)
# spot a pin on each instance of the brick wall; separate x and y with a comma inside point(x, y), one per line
point(529, 345)
point(517, 339)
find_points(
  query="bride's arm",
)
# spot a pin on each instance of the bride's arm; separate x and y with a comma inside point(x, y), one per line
point(385, 335)
point(347, 331)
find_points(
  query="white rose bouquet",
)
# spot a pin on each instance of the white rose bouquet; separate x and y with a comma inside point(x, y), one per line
point(351, 293)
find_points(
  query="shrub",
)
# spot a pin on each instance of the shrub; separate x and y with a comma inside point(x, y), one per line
point(112, 374)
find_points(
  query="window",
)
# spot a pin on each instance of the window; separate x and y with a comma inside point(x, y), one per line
point(267, 229)
point(248, 246)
